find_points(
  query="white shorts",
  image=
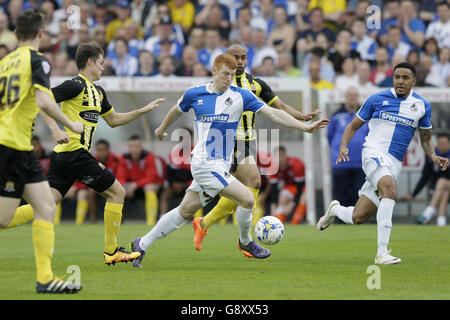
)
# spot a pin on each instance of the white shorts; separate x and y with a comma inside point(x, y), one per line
point(377, 164)
point(210, 180)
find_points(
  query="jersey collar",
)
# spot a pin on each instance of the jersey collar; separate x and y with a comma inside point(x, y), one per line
point(85, 79)
point(395, 94)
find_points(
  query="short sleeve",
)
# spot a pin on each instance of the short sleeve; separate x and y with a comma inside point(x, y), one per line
point(367, 109)
point(106, 107)
point(40, 71)
point(185, 102)
point(251, 102)
point(67, 90)
point(425, 121)
point(267, 95)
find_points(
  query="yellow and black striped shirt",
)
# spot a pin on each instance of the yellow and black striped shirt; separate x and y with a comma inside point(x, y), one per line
point(81, 100)
point(21, 73)
point(246, 128)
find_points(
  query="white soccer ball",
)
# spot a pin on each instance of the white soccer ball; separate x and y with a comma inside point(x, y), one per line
point(269, 230)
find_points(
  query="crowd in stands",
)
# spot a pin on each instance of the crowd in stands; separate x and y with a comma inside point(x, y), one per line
point(337, 44)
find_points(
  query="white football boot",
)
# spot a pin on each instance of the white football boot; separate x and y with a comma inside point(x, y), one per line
point(327, 219)
point(387, 259)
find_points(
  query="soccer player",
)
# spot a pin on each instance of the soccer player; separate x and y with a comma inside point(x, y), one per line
point(244, 166)
point(82, 100)
point(393, 116)
point(218, 107)
point(25, 90)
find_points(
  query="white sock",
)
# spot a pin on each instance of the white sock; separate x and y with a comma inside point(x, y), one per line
point(343, 213)
point(384, 224)
point(244, 220)
point(441, 221)
point(429, 212)
point(168, 223)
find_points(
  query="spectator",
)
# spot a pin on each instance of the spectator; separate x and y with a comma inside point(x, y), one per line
point(124, 64)
point(264, 20)
point(413, 57)
point(259, 50)
point(214, 15)
point(431, 48)
point(348, 78)
point(212, 48)
point(59, 63)
point(141, 177)
point(7, 37)
point(427, 10)
point(413, 29)
point(326, 69)
point(348, 177)
point(395, 45)
point(363, 71)
point(315, 81)
point(129, 33)
point(182, 13)
point(302, 21)
point(83, 33)
point(245, 37)
point(99, 36)
point(100, 15)
point(199, 70)
point(267, 68)
point(236, 7)
point(155, 18)
point(166, 68)
point(288, 184)
point(361, 42)
point(3, 51)
point(421, 75)
point(141, 12)
point(439, 185)
point(179, 175)
point(243, 20)
point(190, 57)
point(282, 36)
point(163, 33)
point(382, 68)
point(342, 49)
point(197, 38)
point(146, 65)
point(332, 10)
point(286, 67)
point(388, 82)
point(440, 29)
point(306, 39)
point(14, 9)
point(123, 13)
point(51, 25)
point(440, 71)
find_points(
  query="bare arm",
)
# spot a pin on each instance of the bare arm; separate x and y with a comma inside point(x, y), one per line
point(115, 119)
point(287, 120)
point(47, 104)
point(347, 136)
point(171, 117)
point(427, 145)
point(293, 112)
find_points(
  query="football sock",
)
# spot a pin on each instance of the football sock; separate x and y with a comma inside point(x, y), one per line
point(343, 213)
point(244, 219)
point(256, 205)
point(151, 207)
point(258, 213)
point(167, 224)
point(81, 211)
point(23, 214)
point(43, 241)
point(223, 208)
point(429, 212)
point(58, 214)
point(299, 214)
point(199, 213)
point(384, 224)
point(441, 221)
point(112, 219)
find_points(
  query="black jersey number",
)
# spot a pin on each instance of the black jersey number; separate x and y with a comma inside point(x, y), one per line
point(9, 90)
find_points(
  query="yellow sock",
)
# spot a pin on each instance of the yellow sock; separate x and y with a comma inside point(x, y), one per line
point(81, 211)
point(58, 214)
point(257, 210)
point(43, 241)
point(199, 213)
point(151, 207)
point(113, 218)
point(24, 214)
point(224, 220)
point(223, 208)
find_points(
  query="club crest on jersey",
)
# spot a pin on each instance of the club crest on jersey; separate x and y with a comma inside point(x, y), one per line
point(9, 186)
point(46, 67)
point(200, 102)
point(385, 103)
point(228, 102)
point(413, 107)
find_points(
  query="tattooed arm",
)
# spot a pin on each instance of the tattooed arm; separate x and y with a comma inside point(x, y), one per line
point(427, 145)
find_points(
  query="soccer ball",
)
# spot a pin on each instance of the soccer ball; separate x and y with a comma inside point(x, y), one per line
point(269, 230)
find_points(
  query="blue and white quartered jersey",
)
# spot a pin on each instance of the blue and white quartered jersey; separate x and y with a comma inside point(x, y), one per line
point(216, 120)
point(393, 120)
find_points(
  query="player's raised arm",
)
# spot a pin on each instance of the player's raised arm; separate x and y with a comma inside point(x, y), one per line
point(289, 121)
point(427, 145)
point(171, 117)
point(347, 136)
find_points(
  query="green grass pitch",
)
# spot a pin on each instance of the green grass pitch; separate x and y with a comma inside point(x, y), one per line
point(306, 264)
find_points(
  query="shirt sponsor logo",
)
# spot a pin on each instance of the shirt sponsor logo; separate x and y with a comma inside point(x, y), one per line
point(214, 117)
point(90, 116)
point(396, 118)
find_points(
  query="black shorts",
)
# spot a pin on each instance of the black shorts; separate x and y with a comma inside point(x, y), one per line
point(79, 165)
point(18, 168)
point(242, 150)
point(178, 175)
